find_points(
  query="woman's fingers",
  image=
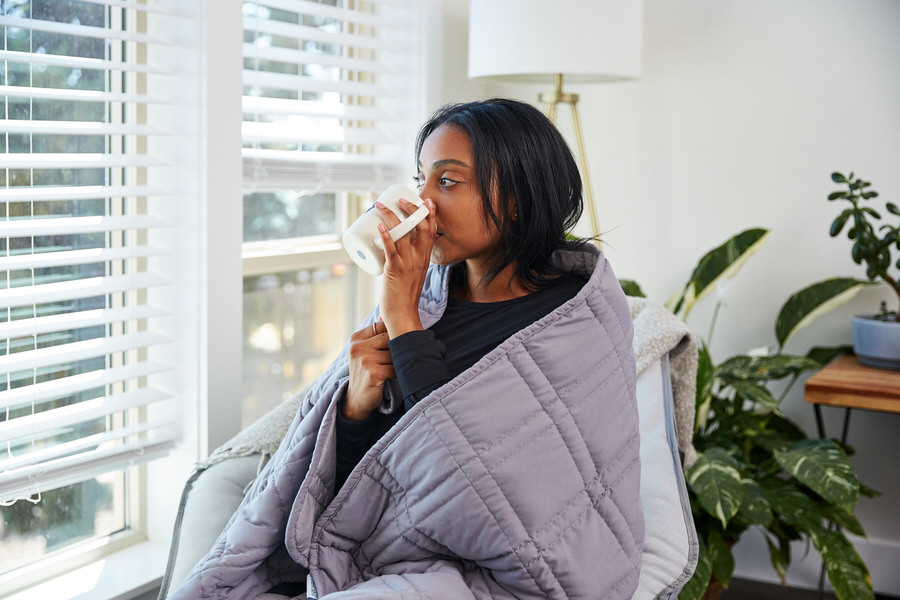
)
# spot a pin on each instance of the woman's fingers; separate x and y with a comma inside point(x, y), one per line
point(426, 230)
point(373, 330)
point(406, 264)
point(407, 207)
point(370, 366)
point(387, 215)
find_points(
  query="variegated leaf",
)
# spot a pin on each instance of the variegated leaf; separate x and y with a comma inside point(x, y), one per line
point(722, 264)
point(720, 557)
point(824, 468)
point(847, 572)
point(792, 505)
point(757, 393)
point(717, 484)
point(755, 508)
point(814, 301)
point(765, 368)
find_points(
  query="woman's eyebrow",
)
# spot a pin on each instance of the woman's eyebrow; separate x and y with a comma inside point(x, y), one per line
point(439, 164)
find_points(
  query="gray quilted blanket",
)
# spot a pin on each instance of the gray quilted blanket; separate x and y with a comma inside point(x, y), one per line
point(517, 479)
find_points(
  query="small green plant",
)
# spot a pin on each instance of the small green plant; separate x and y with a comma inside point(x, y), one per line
point(869, 246)
point(755, 467)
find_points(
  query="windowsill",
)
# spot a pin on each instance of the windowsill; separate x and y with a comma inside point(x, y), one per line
point(122, 575)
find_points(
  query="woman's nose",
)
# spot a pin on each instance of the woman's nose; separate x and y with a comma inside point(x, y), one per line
point(427, 189)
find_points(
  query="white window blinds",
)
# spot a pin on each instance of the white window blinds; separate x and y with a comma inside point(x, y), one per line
point(331, 90)
point(81, 240)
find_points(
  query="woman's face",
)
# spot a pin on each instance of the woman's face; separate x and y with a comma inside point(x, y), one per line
point(447, 176)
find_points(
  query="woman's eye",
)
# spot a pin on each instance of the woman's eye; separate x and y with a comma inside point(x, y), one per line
point(445, 182)
point(418, 180)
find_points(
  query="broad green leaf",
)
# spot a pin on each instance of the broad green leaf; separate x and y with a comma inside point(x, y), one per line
point(843, 519)
point(785, 426)
point(868, 492)
point(824, 468)
point(780, 554)
point(838, 178)
point(825, 354)
point(756, 393)
point(720, 557)
point(778, 432)
point(793, 505)
point(631, 288)
point(755, 508)
point(813, 301)
point(717, 484)
point(765, 368)
point(846, 571)
point(706, 375)
point(696, 585)
point(773, 441)
point(676, 300)
point(722, 264)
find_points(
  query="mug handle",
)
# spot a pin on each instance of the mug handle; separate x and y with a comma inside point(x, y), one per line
point(406, 225)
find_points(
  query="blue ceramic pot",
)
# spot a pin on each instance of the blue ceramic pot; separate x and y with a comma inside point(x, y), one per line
point(876, 342)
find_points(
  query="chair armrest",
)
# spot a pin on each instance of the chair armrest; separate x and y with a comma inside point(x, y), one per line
point(670, 538)
point(209, 499)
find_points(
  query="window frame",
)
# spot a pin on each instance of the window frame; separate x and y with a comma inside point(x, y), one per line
point(73, 556)
point(130, 563)
point(210, 326)
point(293, 254)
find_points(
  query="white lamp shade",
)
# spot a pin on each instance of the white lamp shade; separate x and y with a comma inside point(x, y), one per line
point(533, 40)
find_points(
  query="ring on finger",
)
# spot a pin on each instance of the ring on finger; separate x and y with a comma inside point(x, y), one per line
point(375, 327)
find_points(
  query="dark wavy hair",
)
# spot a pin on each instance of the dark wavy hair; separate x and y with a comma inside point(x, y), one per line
point(523, 162)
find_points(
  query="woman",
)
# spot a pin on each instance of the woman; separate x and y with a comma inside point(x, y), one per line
point(478, 436)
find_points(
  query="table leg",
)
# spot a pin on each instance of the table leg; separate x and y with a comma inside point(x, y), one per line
point(821, 590)
point(819, 423)
point(846, 426)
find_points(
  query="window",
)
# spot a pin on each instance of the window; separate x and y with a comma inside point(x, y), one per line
point(330, 105)
point(84, 246)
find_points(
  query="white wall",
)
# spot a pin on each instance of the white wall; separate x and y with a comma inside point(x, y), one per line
point(743, 111)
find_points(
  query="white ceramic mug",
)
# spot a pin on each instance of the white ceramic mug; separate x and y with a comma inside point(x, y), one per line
point(362, 240)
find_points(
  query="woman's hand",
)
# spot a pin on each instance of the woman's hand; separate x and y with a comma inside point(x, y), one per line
point(406, 263)
point(370, 366)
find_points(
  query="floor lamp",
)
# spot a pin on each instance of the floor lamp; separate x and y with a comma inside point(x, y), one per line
point(537, 41)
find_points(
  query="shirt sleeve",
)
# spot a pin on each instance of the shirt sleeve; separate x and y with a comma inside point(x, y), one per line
point(418, 358)
point(354, 438)
point(419, 364)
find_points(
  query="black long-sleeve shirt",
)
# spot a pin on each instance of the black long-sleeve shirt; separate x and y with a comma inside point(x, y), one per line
point(425, 360)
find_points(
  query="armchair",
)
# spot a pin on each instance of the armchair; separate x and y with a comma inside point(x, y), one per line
point(665, 395)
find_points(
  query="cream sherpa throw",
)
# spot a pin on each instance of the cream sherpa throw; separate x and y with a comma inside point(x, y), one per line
point(656, 332)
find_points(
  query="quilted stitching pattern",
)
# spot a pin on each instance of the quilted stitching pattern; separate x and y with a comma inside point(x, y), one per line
point(521, 475)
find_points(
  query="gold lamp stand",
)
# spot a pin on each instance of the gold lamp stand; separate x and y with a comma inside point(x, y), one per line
point(552, 100)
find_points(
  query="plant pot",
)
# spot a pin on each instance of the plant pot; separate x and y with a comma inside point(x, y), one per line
point(713, 590)
point(876, 342)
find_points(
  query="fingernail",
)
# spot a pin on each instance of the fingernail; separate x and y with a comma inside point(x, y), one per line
point(380, 205)
point(381, 227)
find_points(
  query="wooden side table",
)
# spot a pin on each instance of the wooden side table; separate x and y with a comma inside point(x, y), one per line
point(846, 384)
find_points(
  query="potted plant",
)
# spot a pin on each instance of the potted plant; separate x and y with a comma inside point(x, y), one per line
point(876, 336)
point(755, 467)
